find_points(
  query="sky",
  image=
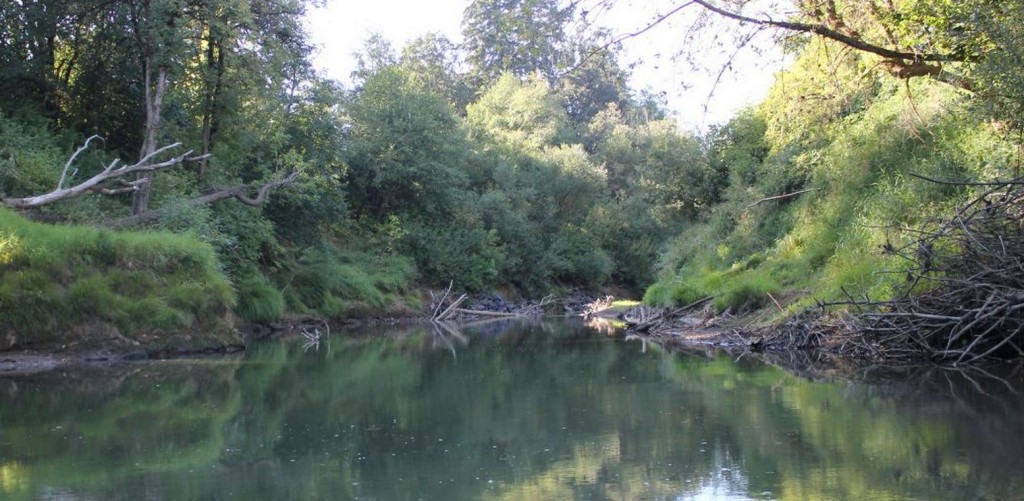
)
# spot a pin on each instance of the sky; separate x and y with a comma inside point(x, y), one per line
point(695, 100)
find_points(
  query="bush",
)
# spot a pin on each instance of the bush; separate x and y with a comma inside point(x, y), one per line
point(338, 284)
point(750, 291)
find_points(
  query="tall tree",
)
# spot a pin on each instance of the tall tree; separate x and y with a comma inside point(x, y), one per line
point(594, 83)
point(435, 62)
point(406, 143)
point(515, 36)
point(155, 27)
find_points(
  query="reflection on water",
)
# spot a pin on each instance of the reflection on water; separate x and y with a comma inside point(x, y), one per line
point(500, 411)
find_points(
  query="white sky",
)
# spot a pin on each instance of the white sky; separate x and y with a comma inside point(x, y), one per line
point(341, 27)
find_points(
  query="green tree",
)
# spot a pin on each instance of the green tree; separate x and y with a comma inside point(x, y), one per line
point(523, 114)
point(520, 37)
point(433, 62)
point(596, 82)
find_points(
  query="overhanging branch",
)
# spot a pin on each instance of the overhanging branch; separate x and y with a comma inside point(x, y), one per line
point(240, 193)
point(829, 33)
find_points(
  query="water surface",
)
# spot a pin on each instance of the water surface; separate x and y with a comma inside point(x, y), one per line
point(541, 411)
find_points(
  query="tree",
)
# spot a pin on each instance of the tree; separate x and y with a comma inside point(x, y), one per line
point(596, 82)
point(376, 56)
point(405, 147)
point(520, 114)
point(116, 69)
point(154, 26)
point(434, 62)
point(519, 37)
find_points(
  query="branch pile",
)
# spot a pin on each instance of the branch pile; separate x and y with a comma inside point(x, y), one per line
point(964, 299)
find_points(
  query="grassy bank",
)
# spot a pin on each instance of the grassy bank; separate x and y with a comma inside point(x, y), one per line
point(825, 197)
point(86, 288)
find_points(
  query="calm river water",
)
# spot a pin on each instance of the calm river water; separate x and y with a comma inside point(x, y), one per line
point(543, 411)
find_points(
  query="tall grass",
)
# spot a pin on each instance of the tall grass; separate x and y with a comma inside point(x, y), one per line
point(92, 288)
point(341, 284)
point(862, 200)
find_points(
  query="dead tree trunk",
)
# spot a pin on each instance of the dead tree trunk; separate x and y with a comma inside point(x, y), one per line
point(154, 104)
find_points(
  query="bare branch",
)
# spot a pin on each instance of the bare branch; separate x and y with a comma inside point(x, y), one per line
point(98, 183)
point(261, 194)
point(832, 34)
point(779, 197)
point(1008, 182)
point(627, 36)
point(64, 173)
point(239, 193)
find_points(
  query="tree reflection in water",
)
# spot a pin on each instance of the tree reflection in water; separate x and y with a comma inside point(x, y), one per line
point(539, 410)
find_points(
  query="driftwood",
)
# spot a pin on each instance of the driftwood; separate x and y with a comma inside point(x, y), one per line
point(443, 308)
point(964, 298)
point(440, 312)
point(485, 313)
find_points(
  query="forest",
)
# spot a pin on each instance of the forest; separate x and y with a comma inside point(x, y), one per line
point(170, 167)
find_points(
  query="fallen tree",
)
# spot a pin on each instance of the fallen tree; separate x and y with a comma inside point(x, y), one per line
point(112, 180)
point(109, 181)
point(240, 193)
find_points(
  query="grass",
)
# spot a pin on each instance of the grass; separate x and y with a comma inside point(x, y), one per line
point(69, 286)
point(345, 284)
point(829, 243)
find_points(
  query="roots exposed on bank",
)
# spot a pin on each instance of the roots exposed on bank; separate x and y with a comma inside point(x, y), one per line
point(963, 299)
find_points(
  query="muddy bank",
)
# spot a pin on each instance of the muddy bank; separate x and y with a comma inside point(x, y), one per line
point(32, 362)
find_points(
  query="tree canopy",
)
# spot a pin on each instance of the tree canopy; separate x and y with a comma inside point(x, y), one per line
point(520, 157)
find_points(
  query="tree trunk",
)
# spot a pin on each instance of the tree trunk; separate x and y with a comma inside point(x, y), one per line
point(213, 82)
point(154, 92)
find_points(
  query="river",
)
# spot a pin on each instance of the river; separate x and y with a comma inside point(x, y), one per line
point(544, 410)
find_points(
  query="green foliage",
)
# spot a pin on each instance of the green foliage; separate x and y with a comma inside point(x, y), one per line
point(677, 293)
point(406, 147)
point(76, 286)
point(577, 256)
point(432, 61)
point(30, 157)
point(259, 301)
point(341, 284)
point(520, 37)
point(506, 171)
point(751, 290)
point(522, 114)
point(463, 252)
point(810, 210)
